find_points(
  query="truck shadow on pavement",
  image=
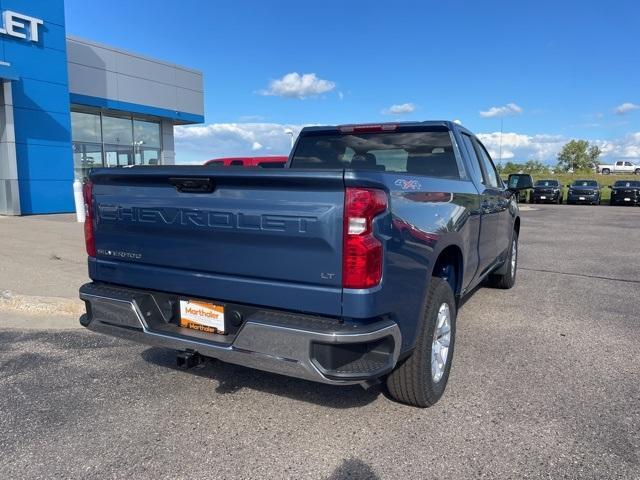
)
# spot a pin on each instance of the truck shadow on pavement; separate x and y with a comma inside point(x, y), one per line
point(353, 469)
point(232, 378)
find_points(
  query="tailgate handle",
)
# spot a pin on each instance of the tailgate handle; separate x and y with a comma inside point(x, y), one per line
point(192, 185)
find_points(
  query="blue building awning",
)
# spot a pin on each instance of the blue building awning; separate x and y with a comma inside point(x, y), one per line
point(7, 72)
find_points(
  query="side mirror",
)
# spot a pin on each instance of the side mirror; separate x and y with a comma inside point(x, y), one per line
point(610, 186)
point(519, 181)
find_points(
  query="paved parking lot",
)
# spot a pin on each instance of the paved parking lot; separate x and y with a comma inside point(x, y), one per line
point(545, 383)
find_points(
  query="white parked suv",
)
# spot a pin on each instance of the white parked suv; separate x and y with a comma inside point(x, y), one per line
point(621, 166)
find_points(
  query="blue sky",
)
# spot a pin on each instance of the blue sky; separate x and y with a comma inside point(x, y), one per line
point(550, 71)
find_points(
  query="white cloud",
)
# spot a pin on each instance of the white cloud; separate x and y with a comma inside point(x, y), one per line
point(195, 144)
point(399, 109)
point(294, 85)
point(626, 108)
point(520, 148)
point(625, 147)
point(505, 111)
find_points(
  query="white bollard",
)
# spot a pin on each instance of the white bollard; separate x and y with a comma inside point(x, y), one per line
point(79, 200)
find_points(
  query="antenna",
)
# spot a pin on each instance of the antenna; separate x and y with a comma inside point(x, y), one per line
point(500, 154)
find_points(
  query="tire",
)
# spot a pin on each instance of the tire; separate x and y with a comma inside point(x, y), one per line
point(559, 200)
point(413, 381)
point(606, 171)
point(507, 280)
point(637, 171)
point(611, 202)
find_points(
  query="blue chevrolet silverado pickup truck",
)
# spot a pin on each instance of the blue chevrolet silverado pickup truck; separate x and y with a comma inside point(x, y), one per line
point(346, 266)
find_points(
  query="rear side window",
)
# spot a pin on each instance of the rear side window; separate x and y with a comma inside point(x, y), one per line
point(421, 153)
point(475, 162)
point(491, 176)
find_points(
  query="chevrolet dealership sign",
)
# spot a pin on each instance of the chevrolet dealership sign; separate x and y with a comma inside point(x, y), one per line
point(20, 26)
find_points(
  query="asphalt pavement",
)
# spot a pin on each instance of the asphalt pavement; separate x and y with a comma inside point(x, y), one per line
point(545, 384)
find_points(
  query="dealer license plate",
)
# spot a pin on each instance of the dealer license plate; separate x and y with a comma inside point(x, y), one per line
point(581, 198)
point(203, 316)
point(627, 199)
point(542, 197)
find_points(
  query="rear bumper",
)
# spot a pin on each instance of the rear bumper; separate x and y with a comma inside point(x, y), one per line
point(313, 348)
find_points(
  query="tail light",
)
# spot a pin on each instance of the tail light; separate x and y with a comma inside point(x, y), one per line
point(362, 252)
point(89, 238)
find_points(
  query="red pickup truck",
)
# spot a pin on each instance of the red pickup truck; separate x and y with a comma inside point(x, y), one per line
point(264, 162)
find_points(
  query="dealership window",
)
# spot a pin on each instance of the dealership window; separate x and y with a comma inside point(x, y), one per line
point(107, 140)
point(146, 142)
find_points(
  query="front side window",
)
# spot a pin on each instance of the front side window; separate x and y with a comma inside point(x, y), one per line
point(427, 153)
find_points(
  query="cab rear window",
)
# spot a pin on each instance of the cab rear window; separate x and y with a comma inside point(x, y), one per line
point(421, 153)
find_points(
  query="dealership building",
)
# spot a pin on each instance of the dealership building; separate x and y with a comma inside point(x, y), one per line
point(69, 104)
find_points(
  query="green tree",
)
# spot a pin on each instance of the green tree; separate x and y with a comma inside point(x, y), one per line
point(578, 155)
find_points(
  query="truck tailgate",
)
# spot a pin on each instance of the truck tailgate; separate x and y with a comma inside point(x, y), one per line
point(199, 230)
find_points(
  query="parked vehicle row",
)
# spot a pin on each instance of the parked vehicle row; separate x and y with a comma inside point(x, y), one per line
point(585, 191)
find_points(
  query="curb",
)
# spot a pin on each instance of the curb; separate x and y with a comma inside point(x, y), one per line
point(37, 305)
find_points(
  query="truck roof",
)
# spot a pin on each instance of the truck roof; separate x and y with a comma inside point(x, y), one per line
point(445, 124)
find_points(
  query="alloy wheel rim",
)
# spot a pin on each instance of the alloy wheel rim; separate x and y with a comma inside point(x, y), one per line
point(441, 341)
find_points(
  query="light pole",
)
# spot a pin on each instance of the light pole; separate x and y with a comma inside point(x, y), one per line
point(289, 132)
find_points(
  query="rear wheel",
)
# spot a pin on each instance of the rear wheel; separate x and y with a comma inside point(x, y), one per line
point(637, 172)
point(420, 380)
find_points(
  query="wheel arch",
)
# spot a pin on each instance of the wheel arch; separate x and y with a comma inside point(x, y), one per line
point(449, 265)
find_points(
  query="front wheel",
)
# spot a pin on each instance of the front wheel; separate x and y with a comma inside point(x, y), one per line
point(606, 171)
point(420, 380)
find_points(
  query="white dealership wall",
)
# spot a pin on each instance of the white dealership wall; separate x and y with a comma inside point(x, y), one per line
point(113, 79)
